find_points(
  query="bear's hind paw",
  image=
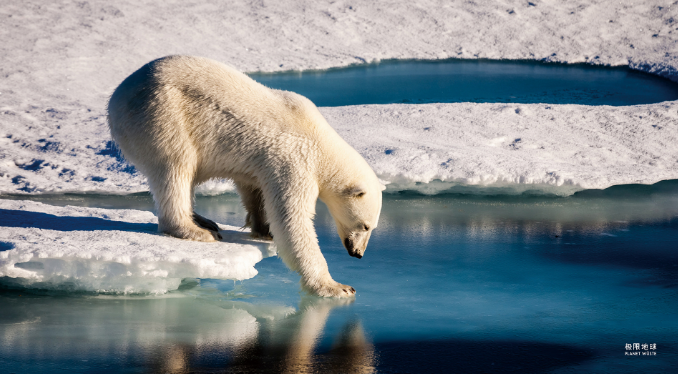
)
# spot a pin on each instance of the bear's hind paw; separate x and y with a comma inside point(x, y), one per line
point(256, 235)
point(197, 234)
point(205, 223)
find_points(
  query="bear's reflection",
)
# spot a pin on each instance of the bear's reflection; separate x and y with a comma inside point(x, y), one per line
point(288, 345)
point(179, 335)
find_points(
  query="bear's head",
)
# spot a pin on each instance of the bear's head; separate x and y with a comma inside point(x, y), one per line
point(355, 208)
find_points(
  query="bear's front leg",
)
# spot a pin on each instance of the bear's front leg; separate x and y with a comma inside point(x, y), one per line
point(290, 215)
point(298, 247)
point(315, 276)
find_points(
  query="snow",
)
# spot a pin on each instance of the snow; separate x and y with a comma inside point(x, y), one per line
point(511, 148)
point(112, 251)
point(61, 60)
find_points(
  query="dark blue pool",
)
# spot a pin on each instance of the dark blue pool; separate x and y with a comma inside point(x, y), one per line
point(478, 81)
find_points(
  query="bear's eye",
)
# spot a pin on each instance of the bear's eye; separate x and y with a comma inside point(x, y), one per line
point(365, 227)
point(361, 194)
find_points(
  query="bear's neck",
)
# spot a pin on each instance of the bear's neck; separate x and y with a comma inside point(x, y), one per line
point(338, 163)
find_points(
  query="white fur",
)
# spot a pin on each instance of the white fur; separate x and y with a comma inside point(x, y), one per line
point(183, 120)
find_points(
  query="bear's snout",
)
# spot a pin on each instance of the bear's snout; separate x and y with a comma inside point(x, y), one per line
point(350, 247)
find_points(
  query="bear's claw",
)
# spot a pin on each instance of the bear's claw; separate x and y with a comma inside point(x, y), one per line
point(334, 290)
point(205, 223)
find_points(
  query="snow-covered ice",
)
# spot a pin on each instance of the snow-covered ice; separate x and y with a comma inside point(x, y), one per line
point(552, 148)
point(61, 60)
point(112, 251)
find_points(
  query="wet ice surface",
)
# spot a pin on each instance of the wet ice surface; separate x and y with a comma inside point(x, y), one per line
point(502, 284)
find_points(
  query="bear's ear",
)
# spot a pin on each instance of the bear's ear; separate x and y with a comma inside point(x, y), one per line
point(382, 187)
point(355, 191)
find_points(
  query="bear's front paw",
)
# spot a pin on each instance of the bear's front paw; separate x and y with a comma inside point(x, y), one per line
point(334, 290)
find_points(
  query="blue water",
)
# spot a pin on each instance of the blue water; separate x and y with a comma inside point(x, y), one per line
point(478, 81)
point(450, 282)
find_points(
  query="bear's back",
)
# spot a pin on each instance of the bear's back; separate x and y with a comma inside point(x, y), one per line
point(199, 87)
point(188, 78)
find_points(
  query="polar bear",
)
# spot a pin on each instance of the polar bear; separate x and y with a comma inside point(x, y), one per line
point(183, 120)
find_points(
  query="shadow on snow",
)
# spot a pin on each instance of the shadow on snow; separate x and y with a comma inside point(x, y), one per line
point(20, 218)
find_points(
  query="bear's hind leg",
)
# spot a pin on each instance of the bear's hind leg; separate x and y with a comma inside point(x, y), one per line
point(173, 194)
point(253, 201)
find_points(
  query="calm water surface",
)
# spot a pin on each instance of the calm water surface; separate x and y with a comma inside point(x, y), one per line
point(472, 283)
point(478, 81)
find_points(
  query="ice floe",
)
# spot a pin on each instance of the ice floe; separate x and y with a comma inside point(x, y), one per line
point(112, 251)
